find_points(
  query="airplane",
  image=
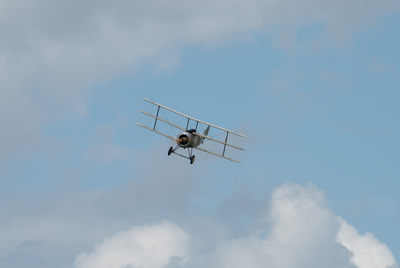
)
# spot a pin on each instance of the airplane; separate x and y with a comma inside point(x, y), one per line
point(189, 138)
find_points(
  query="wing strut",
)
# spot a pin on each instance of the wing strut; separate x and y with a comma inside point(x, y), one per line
point(187, 124)
point(226, 140)
point(155, 121)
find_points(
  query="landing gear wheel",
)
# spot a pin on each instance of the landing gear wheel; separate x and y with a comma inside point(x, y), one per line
point(192, 159)
point(170, 150)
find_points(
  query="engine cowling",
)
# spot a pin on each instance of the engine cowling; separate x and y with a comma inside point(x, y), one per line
point(184, 139)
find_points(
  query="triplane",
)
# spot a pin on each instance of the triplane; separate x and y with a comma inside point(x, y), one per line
point(190, 138)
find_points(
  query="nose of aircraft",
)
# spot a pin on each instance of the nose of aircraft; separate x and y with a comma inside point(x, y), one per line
point(178, 140)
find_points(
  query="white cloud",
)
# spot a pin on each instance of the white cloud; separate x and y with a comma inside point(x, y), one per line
point(303, 233)
point(367, 251)
point(146, 247)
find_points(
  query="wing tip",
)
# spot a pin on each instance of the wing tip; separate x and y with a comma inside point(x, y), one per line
point(239, 134)
point(148, 100)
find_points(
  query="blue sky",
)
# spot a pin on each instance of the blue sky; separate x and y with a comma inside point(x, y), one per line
point(314, 90)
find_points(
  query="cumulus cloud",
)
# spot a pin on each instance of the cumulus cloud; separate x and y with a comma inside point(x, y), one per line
point(53, 52)
point(148, 247)
point(303, 232)
point(368, 251)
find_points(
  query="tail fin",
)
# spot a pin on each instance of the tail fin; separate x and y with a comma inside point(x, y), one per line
point(205, 132)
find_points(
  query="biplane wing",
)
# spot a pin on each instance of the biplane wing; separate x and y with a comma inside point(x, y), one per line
point(216, 154)
point(157, 117)
point(156, 131)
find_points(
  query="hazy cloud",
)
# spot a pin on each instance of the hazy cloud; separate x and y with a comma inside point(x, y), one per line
point(49, 229)
point(103, 148)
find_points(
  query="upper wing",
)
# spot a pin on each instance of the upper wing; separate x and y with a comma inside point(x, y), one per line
point(194, 119)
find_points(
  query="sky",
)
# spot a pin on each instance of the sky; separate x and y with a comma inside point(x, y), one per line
point(312, 84)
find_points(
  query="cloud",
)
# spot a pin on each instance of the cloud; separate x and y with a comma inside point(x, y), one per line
point(368, 251)
point(303, 233)
point(148, 247)
point(54, 52)
point(103, 148)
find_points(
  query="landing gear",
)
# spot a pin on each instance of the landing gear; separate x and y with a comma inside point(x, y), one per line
point(191, 157)
point(172, 150)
